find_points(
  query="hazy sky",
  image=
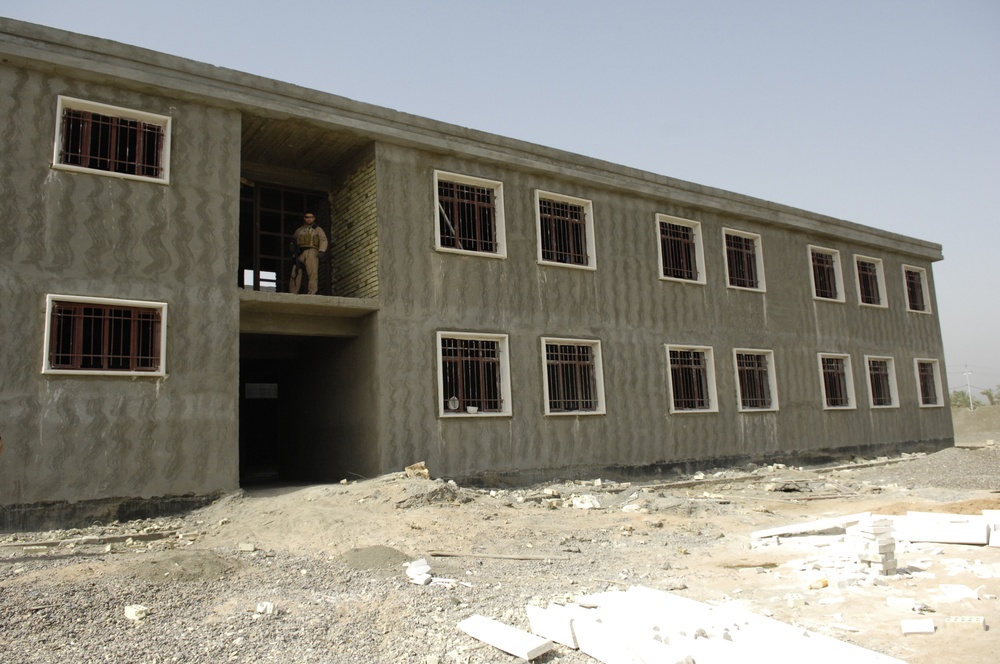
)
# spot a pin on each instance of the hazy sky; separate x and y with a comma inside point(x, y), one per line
point(883, 113)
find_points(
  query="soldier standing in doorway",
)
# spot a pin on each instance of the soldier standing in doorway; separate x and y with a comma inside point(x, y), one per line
point(309, 241)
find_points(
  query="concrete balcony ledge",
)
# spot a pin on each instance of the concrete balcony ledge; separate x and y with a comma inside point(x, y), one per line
point(263, 312)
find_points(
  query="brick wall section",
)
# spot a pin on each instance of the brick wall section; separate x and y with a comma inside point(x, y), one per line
point(354, 227)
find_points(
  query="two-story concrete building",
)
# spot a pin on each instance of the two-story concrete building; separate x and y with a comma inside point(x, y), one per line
point(486, 305)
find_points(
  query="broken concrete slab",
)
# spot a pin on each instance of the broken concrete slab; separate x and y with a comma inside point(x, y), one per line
point(837, 523)
point(942, 528)
point(505, 637)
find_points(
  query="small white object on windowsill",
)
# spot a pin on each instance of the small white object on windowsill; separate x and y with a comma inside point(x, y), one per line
point(472, 409)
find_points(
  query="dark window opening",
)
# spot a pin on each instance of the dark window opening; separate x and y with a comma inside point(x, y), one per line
point(878, 373)
point(101, 337)
point(755, 388)
point(824, 275)
point(572, 378)
point(680, 256)
point(868, 282)
point(564, 232)
point(113, 144)
point(928, 383)
point(915, 291)
point(741, 257)
point(467, 217)
point(470, 369)
point(689, 380)
point(835, 382)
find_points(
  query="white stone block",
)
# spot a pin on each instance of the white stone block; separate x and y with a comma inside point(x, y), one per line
point(136, 611)
point(918, 626)
point(505, 637)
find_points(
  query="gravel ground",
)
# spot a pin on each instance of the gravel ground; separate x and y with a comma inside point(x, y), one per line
point(342, 603)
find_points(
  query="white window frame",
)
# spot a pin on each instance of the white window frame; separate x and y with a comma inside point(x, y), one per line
point(499, 220)
point(699, 248)
point(588, 213)
point(837, 270)
point(598, 377)
point(713, 397)
point(937, 382)
point(51, 299)
point(893, 387)
point(758, 258)
point(771, 379)
point(879, 277)
point(505, 390)
point(923, 286)
point(852, 402)
point(165, 121)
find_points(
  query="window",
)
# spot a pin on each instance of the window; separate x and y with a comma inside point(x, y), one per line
point(915, 279)
point(103, 336)
point(97, 137)
point(838, 383)
point(565, 230)
point(929, 382)
point(692, 379)
point(755, 379)
point(574, 379)
point(871, 282)
point(744, 266)
point(881, 382)
point(681, 253)
point(470, 214)
point(474, 374)
point(827, 280)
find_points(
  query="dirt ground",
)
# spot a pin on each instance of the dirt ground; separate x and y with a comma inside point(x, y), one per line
point(509, 547)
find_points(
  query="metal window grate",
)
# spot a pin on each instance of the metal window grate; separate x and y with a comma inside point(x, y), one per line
point(107, 143)
point(471, 375)
point(928, 383)
point(878, 375)
point(868, 282)
point(677, 245)
point(467, 217)
point(835, 382)
point(689, 380)
point(86, 336)
point(824, 275)
point(755, 388)
point(741, 257)
point(571, 377)
point(915, 291)
point(564, 232)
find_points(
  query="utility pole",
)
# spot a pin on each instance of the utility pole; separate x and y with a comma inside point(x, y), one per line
point(968, 388)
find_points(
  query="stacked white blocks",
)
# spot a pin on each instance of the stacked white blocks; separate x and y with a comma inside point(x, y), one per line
point(878, 548)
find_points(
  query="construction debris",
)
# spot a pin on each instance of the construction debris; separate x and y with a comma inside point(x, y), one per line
point(509, 639)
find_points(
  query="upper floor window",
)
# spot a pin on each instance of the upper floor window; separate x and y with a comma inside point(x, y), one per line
point(692, 379)
point(98, 137)
point(744, 263)
point(882, 382)
point(755, 378)
point(916, 289)
point(470, 214)
point(681, 252)
point(871, 281)
point(827, 280)
point(565, 230)
point(474, 374)
point(837, 380)
point(104, 336)
point(574, 379)
point(929, 382)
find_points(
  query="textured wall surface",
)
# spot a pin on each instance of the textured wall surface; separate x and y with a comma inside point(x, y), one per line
point(83, 437)
point(634, 314)
point(354, 233)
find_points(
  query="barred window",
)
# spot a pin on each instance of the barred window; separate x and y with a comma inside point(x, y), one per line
point(97, 137)
point(881, 382)
point(565, 230)
point(915, 299)
point(743, 263)
point(104, 336)
point(836, 374)
point(870, 281)
point(755, 380)
point(692, 381)
point(679, 249)
point(469, 214)
point(929, 381)
point(573, 380)
point(473, 374)
point(825, 282)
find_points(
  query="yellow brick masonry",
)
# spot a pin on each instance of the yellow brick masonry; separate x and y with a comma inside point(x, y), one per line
point(355, 235)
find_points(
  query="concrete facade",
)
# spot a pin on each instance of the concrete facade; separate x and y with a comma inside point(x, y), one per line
point(356, 370)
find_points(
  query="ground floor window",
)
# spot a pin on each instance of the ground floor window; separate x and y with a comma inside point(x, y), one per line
point(692, 379)
point(882, 382)
point(929, 381)
point(755, 379)
point(473, 374)
point(104, 336)
point(838, 387)
point(573, 376)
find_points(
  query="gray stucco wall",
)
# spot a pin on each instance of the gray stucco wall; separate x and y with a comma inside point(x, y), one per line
point(634, 314)
point(83, 437)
